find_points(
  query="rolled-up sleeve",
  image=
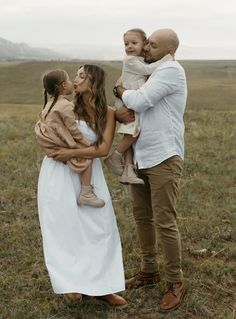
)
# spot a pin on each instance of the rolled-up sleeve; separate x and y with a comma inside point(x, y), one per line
point(160, 84)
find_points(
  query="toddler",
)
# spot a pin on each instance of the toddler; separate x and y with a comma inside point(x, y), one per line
point(57, 127)
point(134, 74)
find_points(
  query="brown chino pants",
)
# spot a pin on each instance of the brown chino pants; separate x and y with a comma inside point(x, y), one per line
point(154, 209)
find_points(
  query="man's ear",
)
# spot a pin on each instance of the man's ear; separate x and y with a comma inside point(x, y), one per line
point(171, 51)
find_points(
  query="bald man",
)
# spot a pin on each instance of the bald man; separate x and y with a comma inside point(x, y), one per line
point(158, 155)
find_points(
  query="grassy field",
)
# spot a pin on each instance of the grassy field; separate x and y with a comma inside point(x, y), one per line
point(207, 204)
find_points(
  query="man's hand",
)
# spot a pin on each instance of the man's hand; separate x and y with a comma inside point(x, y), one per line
point(124, 115)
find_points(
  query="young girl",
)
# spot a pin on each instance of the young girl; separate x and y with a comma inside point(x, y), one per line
point(134, 74)
point(57, 127)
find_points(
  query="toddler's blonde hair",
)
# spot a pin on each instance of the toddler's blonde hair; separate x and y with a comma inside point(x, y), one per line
point(139, 31)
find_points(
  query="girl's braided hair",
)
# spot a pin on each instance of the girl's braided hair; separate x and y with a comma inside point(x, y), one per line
point(51, 84)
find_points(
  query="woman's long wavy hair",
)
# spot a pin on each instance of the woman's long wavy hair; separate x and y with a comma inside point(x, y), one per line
point(97, 101)
point(51, 84)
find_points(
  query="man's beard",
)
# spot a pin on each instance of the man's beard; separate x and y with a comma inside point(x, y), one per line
point(147, 59)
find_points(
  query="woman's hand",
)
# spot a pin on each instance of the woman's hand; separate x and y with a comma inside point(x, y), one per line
point(62, 154)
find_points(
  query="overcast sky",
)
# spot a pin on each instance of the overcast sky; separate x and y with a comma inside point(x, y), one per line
point(68, 24)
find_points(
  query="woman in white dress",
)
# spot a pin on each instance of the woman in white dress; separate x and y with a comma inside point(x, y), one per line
point(81, 244)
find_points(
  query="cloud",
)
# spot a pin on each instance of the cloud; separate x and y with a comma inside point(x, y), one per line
point(15, 10)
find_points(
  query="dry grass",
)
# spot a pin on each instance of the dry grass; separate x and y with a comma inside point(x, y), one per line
point(207, 205)
point(21, 82)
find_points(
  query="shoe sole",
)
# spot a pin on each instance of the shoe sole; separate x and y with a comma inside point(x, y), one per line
point(85, 204)
point(100, 300)
point(129, 183)
point(175, 307)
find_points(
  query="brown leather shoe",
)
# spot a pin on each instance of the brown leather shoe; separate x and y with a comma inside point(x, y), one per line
point(113, 300)
point(173, 297)
point(142, 279)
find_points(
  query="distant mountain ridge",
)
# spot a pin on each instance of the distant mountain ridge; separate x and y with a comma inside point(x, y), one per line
point(73, 51)
point(13, 51)
point(116, 51)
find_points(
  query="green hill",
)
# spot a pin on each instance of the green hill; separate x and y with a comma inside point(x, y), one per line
point(21, 82)
point(210, 83)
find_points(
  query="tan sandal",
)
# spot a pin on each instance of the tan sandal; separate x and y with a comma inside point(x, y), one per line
point(113, 300)
point(73, 296)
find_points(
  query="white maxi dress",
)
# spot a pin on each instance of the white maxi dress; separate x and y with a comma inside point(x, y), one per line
point(81, 244)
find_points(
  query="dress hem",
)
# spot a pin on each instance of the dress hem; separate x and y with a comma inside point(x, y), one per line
point(89, 293)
